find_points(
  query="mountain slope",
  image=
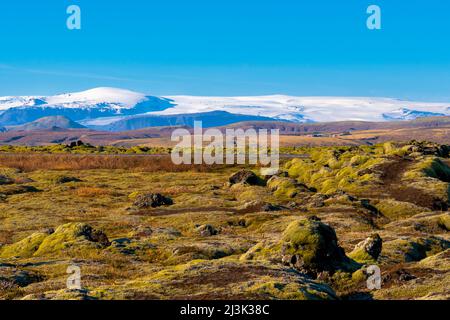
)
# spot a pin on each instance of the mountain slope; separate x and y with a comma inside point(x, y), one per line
point(48, 123)
point(91, 104)
point(102, 107)
point(209, 119)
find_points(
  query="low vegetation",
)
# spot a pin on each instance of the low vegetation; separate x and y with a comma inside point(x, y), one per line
point(140, 227)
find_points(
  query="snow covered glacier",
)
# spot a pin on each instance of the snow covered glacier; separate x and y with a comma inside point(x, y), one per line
point(101, 107)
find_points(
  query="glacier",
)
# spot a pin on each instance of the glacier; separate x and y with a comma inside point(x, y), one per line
point(104, 106)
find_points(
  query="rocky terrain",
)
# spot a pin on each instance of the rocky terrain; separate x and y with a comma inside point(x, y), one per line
point(313, 231)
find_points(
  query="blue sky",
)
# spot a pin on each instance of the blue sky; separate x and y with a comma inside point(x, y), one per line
point(228, 47)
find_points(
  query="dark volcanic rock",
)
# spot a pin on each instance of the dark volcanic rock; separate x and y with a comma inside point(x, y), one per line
point(151, 200)
point(5, 180)
point(369, 248)
point(246, 177)
point(66, 179)
point(207, 230)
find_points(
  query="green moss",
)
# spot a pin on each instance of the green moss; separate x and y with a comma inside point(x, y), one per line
point(66, 236)
point(444, 221)
point(302, 232)
point(24, 248)
point(430, 167)
point(71, 235)
point(414, 249)
point(291, 291)
point(396, 209)
point(330, 170)
point(264, 250)
point(360, 255)
point(283, 187)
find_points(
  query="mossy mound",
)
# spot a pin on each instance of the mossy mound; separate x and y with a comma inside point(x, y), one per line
point(413, 249)
point(397, 209)
point(24, 248)
point(77, 236)
point(432, 167)
point(308, 245)
point(432, 175)
point(206, 251)
point(312, 246)
point(416, 148)
point(444, 221)
point(128, 246)
point(285, 187)
point(440, 261)
point(330, 170)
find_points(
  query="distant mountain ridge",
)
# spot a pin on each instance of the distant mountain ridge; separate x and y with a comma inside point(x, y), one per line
point(208, 119)
point(119, 109)
point(48, 123)
point(431, 128)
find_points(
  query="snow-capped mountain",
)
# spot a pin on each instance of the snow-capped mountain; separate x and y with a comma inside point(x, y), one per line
point(407, 114)
point(102, 107)
point(91, 104)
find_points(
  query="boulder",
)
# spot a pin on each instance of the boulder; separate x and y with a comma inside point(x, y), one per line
point(10, 190)
point(283, 186)
point(77, 143)
point(206, 230)
point(428, 148)
point(413, 249)
point(317, 200)
point(66, 179)
point(245, 177)
point(151, 200)
point(5, 180)
point(312, 247)
point(129, 246)
point(367, 251)
point(11, 276)
point(259, 206)
point(141, 232)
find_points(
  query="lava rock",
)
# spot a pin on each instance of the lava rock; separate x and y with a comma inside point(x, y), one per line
point(151, 200)
point(245, 177)
point(207, 230)
point(367, 250)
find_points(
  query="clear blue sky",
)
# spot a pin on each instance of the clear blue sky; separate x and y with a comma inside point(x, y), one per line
point(228, 47)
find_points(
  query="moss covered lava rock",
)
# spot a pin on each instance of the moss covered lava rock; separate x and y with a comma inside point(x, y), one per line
point(367, 251)
point(151, 200)
point(245, 177)
point(312, 247)
point(76, 236)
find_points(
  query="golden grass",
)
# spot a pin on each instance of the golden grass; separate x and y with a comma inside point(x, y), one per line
point(29, 162)
point(90, 192)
